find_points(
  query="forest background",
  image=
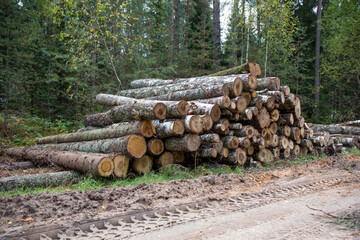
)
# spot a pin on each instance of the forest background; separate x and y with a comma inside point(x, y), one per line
point(57, 55)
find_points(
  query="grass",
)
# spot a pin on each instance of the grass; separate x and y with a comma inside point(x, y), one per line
point(348, 220)
point(168, 173)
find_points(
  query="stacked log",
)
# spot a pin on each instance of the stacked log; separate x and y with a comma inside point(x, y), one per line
point(335, 137)
point(229, 117)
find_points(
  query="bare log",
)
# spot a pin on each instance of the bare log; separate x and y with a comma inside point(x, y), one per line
point(144, 128)
point(235, 126)
point(203, 108)
point(129, 112)
point(264, 155)
point(193, 124)
point(230, 142)
point(210, 138)
point(131, 146)
point(285, 130)
point(270, 83)
point(196, 93)
point(285, 90)
point(242, 69)
point(152, 82)
point(98, 164)
point(169, 128)
point(222, 102)
point(336, 129)
point(188, 143)
point(39, 180)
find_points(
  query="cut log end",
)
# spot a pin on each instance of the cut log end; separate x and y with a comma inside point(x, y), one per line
point(105, 167)
point(136, 146)
point(178, 127)
point(121, 166)
point(275, 115)
point(183, 107)
point(207, 122)
point(167, 158)
point(225, 90)
point(179, 157)
point(237, 86)
point(215, 113)
point(250, 150)
point(241, 104)
point(252, 81)
point(160, 111)
point(142, 165)
point(297, 108)
point(147, 129)
point(155, 147)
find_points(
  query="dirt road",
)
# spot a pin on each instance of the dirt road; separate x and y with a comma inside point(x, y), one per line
point(288, 219)
point(272, 204)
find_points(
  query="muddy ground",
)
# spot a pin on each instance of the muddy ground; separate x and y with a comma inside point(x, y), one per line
point(71, 207)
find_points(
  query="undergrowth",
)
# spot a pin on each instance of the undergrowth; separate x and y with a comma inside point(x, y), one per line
point(23, 131)
point(164, 174)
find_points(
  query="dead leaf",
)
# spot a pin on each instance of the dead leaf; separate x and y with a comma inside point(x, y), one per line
point(29, 219)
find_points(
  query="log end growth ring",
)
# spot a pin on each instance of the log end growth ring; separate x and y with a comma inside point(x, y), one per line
point(121, 166)
point(136, 146)
point(160, 111)
point(105, 167)
point(147, 129)
point(237, 86)
point(252, 81)
point(193, 142)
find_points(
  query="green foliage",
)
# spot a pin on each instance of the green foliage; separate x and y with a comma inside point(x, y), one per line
point(23, 131)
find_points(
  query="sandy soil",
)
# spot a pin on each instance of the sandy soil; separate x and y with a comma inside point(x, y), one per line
point(288, 218)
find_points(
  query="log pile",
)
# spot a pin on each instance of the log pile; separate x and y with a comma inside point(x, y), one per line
point(235, 119)
point(335, 137)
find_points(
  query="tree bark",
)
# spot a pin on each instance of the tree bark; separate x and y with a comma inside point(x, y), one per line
point(152, 82)
point(210, 138)
point(245, 131)
point(169, 128)
point(278, 95)
point(188, 143)
point(133, 146)
point(216, 31)
point(11, 166)
point(144, 128)
point(98, 164)
point(285, 90)
point(230, 142)
point(218, 146)
point(135, 111)
point(222, 102)
point(39, 180)
point(196, 93)
point(336, 129)
point(203, 108)
point(235, 126)
point(207, 152)
point(269, 83)
point(174, 108)
point(317, 58)
point(245, 68)
point(267, 101)
point(233, 82)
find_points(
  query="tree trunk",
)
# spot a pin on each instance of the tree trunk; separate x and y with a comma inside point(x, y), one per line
point(142, 165)
point(144, 128)
point(174, 108)
point(216, 31)
point(155, 147)
point(267, 101)
point(98, 164)
point(188, 143)
point(230, 142)
point(129, 112)
point(11, 166)
point(167, 158)
point(187, 23)
point(233, 82)
point(151, 82)
point(285, 90)
point(196, 93)
point(317, 59)
point(335, 129)
point(222, 102)
point(133, 146)
point(39, 180)
point(210, 138)
point(245, 68)
point(171, 32)
point(269, 83)
point(203, 108)
point(170, 128)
